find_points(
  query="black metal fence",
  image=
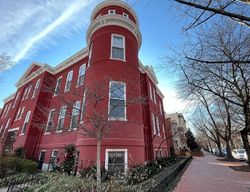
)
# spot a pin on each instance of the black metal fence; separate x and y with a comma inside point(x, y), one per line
point(23, 182)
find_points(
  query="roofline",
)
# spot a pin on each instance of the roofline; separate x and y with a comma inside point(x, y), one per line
point(9, 98)
point(114, 3)
point(53, 70)
point(150, 72)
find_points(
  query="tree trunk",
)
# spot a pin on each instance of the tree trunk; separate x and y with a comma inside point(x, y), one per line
point(228, 148)
point(219, 147)
point(244, 135)
point(98, 166)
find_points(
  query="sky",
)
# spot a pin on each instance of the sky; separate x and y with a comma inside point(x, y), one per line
point(50, 31)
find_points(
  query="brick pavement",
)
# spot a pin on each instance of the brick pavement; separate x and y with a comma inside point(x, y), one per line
point(207, 174)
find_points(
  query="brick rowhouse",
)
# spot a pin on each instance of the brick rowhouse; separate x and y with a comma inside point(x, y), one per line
point(51, 104)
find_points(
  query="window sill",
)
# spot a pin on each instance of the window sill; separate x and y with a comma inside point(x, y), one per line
point(46, 133)
point(21, 134)
point(60, 131)
point(72, 129)
point(117, 119)
point(124, 60)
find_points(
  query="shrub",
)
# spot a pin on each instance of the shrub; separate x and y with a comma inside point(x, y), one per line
point(19, 152)
point(28, 166)
point(90, 172)
point(69, 162)
point(140, 173)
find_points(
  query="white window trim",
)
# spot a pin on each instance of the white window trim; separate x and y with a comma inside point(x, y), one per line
point(117, 150)
point(71, 71)
point(125, 15)
point(125, 99)
point(90, 55)
point(70, 127)
point(153, 123)
point(158, 129)
point(57, 85)
point(37, 85)
point(17, 97)
point(77, 84)
point(150, 91)
point(111, 12)
point(6, 127)
point(22, 132)
point(124, 47)
point(83, 103)
point(40, 154)
point(48, 132)
point(13, 129)
point(164, 131)
point(64, 106)
point(28, 92)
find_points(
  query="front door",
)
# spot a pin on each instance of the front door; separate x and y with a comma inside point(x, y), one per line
point(41, 160)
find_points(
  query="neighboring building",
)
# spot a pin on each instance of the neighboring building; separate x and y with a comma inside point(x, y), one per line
point(178, 127)
point(40, 116)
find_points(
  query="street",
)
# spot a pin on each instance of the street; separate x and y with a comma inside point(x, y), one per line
point(207, 174)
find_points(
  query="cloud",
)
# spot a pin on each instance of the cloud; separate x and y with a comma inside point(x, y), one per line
point(29, 25)
point(172, 102)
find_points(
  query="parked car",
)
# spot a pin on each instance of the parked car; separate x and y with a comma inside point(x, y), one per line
point(239, 154)
point(224, 151)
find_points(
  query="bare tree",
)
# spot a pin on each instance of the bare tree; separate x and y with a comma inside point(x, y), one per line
point(218, 63)
point(91, 119)
point(202, 11)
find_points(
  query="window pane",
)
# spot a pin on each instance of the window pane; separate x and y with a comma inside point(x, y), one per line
point(117, 90)
point(117, 53)
point(116, 161)
point(117, 108)
point(118, 42)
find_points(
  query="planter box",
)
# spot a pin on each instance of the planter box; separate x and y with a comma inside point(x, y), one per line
point(160, 181)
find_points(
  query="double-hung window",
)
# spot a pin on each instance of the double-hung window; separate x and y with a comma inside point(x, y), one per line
point(90, 54)
point(150, 91)
point(83, 106)
point(116, 160)
point(81, 75)
point(117, 100)
point(154, 95)
point(160, 107)
point(164, 132)
point(75, 115)
point(58, 86)
point(28, 91)
point(69, 81)
point(36, 88)
point(118, 47)
point(26, 121)
point(25, 93)
point(157, 126)
point(153, 123)
point(17, 97)
point(50, 122)
point(6, 127)
point(62, 115)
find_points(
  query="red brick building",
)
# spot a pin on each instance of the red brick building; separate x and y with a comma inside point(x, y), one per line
point(54, 106)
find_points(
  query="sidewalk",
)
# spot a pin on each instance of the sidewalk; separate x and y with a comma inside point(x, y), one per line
point(206, 174)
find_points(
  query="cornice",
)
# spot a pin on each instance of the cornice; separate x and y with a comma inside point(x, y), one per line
point(151, 74)
point(71, 60)
point(118, 20)
point(45, 67)
point(9, 98)
point(114, 3)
